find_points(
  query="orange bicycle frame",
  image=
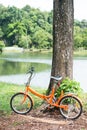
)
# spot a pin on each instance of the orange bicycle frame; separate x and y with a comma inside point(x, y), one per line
point(48, 98)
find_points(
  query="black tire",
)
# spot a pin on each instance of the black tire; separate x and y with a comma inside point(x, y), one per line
point(74, 107)
point(21, 103)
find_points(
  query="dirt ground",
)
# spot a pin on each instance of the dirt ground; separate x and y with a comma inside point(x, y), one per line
point(37, 120)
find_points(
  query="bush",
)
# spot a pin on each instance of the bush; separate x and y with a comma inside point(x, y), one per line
point(1, 45)
point(69, 86)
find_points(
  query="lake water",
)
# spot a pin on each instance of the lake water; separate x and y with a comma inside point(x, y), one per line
point(13, 68)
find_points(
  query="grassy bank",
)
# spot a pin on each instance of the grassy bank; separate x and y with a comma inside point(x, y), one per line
point(80, 53)
point(6, 92)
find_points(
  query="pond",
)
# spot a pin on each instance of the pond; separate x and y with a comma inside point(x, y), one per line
point(13, 68)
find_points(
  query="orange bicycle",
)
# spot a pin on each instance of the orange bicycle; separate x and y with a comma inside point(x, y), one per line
point(69, 105)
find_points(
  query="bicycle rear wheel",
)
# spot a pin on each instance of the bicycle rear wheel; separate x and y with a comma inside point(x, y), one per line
point(21, 103)
point(74, 109)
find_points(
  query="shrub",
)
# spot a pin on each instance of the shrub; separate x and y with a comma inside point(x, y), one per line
point(69, 86)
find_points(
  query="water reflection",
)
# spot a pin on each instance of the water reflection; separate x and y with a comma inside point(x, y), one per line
point(14, 66)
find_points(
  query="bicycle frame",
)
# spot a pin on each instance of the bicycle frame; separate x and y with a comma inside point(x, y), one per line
point(48, 98)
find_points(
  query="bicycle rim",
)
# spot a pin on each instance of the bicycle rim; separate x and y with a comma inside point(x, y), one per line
point(21, 103)
point(74, 107)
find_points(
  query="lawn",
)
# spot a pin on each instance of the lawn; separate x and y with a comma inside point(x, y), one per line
point(80, 53)
point(6, 92)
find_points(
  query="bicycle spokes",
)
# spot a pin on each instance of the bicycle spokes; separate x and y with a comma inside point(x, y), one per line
point(74, 107)
point(21, 103)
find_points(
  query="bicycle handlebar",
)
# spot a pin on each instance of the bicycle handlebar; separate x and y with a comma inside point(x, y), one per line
point(31, 70)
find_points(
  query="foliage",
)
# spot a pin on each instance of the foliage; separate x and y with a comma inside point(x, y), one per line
point(69, 86)
point(25, 41)
point(42, 39)
point(80, 34)
point(77, 37)
point(1, 33)
point(1, 45)
point(15, 31)
point(19, 24)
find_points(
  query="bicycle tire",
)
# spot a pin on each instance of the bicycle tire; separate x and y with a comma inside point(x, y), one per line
point(74, 107)
point(21, 103)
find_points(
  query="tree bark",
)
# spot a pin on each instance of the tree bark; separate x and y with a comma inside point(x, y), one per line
point(63, 19)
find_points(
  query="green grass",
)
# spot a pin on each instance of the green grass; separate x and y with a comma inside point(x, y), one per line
point(6, 92)
point(80, 53)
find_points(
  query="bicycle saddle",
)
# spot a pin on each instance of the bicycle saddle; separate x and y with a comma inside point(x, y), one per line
point(57, 78)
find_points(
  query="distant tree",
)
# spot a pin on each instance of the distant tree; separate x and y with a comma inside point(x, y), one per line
point(2, 45)
point(84, 37)
point(15, 31)
point(27, 8)
point(42, 39)
point(33, 20)
point(84, 23)
point(1, 34)
point(25, 42)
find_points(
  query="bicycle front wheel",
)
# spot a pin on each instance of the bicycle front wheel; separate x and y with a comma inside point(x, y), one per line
point(21, 103)
point(74, 107)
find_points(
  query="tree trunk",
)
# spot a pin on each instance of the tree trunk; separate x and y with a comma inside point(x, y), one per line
point(63, 19)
